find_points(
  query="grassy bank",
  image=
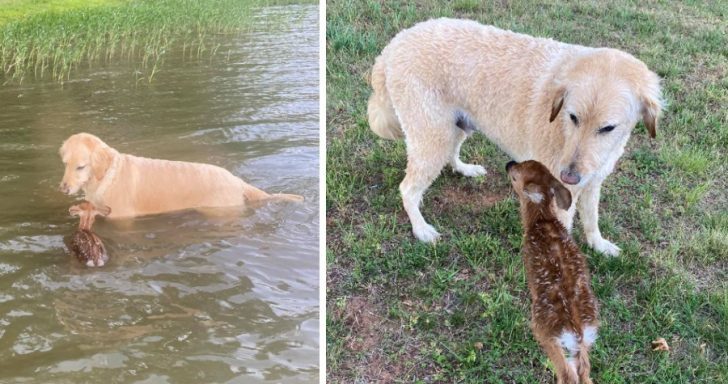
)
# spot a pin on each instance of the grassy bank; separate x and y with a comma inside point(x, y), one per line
point(402, 311)
point(54, 37)
point(11, 10)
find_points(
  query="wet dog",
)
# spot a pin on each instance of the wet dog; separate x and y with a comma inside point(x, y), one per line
point(563, 308)
point(135, 186)
point(570, 107)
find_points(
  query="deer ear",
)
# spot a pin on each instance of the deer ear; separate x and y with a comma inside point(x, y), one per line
point(557, 103)
point(533, 192)
point(101, 161)
point(561, 194)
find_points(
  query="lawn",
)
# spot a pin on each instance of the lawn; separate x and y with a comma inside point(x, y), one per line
point(402, 311)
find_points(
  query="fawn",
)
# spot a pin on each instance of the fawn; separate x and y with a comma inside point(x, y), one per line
point(84, 244)
point(563, 308)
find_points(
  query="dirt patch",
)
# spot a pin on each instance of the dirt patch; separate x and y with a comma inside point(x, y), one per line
point(370, 341)
point(364, 322)
point(457, 195)
point(474, 196)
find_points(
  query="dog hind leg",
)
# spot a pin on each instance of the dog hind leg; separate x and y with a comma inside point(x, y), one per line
point(471, 170)
point(431, 140)
point(422, 169)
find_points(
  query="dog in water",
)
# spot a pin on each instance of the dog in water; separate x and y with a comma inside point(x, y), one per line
point(135, 186)
point(563, 308)
point(570, 107)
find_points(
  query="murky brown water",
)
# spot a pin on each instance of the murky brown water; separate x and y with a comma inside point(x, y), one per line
point(186, 298)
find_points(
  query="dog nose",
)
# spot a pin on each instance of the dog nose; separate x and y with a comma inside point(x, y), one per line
point(63, 188)
point(570, 177)
point(509, 165)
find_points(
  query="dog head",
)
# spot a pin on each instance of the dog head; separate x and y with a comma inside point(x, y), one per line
point(533, 182)
point(85, 157)
point(599, 98)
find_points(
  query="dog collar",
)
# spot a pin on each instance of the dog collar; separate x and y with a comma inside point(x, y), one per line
point(109, 176)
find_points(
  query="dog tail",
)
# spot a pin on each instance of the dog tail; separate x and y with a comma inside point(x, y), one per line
point(255, 195)
point(382, 118)
point(286, 197)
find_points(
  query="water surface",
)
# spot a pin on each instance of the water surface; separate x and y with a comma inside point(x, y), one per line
point(186, 297)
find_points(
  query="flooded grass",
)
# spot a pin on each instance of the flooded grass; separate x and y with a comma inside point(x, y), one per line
point(65, 34)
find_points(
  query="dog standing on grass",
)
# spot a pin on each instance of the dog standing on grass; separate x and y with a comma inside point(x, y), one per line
point(570, 107)
point(563, 307)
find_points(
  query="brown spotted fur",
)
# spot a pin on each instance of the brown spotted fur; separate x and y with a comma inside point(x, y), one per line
point(84, 244)
point(556, 271)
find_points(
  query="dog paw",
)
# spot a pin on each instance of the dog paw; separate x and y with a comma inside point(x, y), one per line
point(604, 246)
point(470, 170)
point(426, 233)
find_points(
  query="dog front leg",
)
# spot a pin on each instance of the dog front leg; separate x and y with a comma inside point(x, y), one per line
point(566, 217)
point(589, 213)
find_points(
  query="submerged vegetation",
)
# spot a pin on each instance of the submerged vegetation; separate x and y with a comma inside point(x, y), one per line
point(58, 36)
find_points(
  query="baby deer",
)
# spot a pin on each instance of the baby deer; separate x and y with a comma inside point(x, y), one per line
point(563, 307)
point(84, 244)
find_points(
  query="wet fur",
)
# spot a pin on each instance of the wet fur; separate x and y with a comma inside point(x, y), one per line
point(441, 79)
point(563, 308)
point(143, 186)
point(85, 245)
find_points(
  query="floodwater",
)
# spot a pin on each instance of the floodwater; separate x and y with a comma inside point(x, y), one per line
point(186, 297)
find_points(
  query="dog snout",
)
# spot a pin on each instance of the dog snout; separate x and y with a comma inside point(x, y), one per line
point(509, 165)
point(63, 188)
point(570, 176)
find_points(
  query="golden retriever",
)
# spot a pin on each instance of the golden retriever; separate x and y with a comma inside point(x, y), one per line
point(134, 186)
point(570, 107)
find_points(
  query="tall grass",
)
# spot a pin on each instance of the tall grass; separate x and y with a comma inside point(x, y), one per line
point(56, 42)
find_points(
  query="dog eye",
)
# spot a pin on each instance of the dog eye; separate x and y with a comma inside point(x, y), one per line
point(80, 167)
point(608, 128)
point(574, 119)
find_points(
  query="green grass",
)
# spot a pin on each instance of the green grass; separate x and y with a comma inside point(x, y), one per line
point(402, 311)
point(55, 37)
point(18, 9)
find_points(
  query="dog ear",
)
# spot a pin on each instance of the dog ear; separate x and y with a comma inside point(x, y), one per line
point(561, 194)
point(557, 103)
point(652, 104)
point(101, 161)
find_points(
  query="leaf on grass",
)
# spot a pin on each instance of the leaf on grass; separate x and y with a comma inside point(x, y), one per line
point(660, 345)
